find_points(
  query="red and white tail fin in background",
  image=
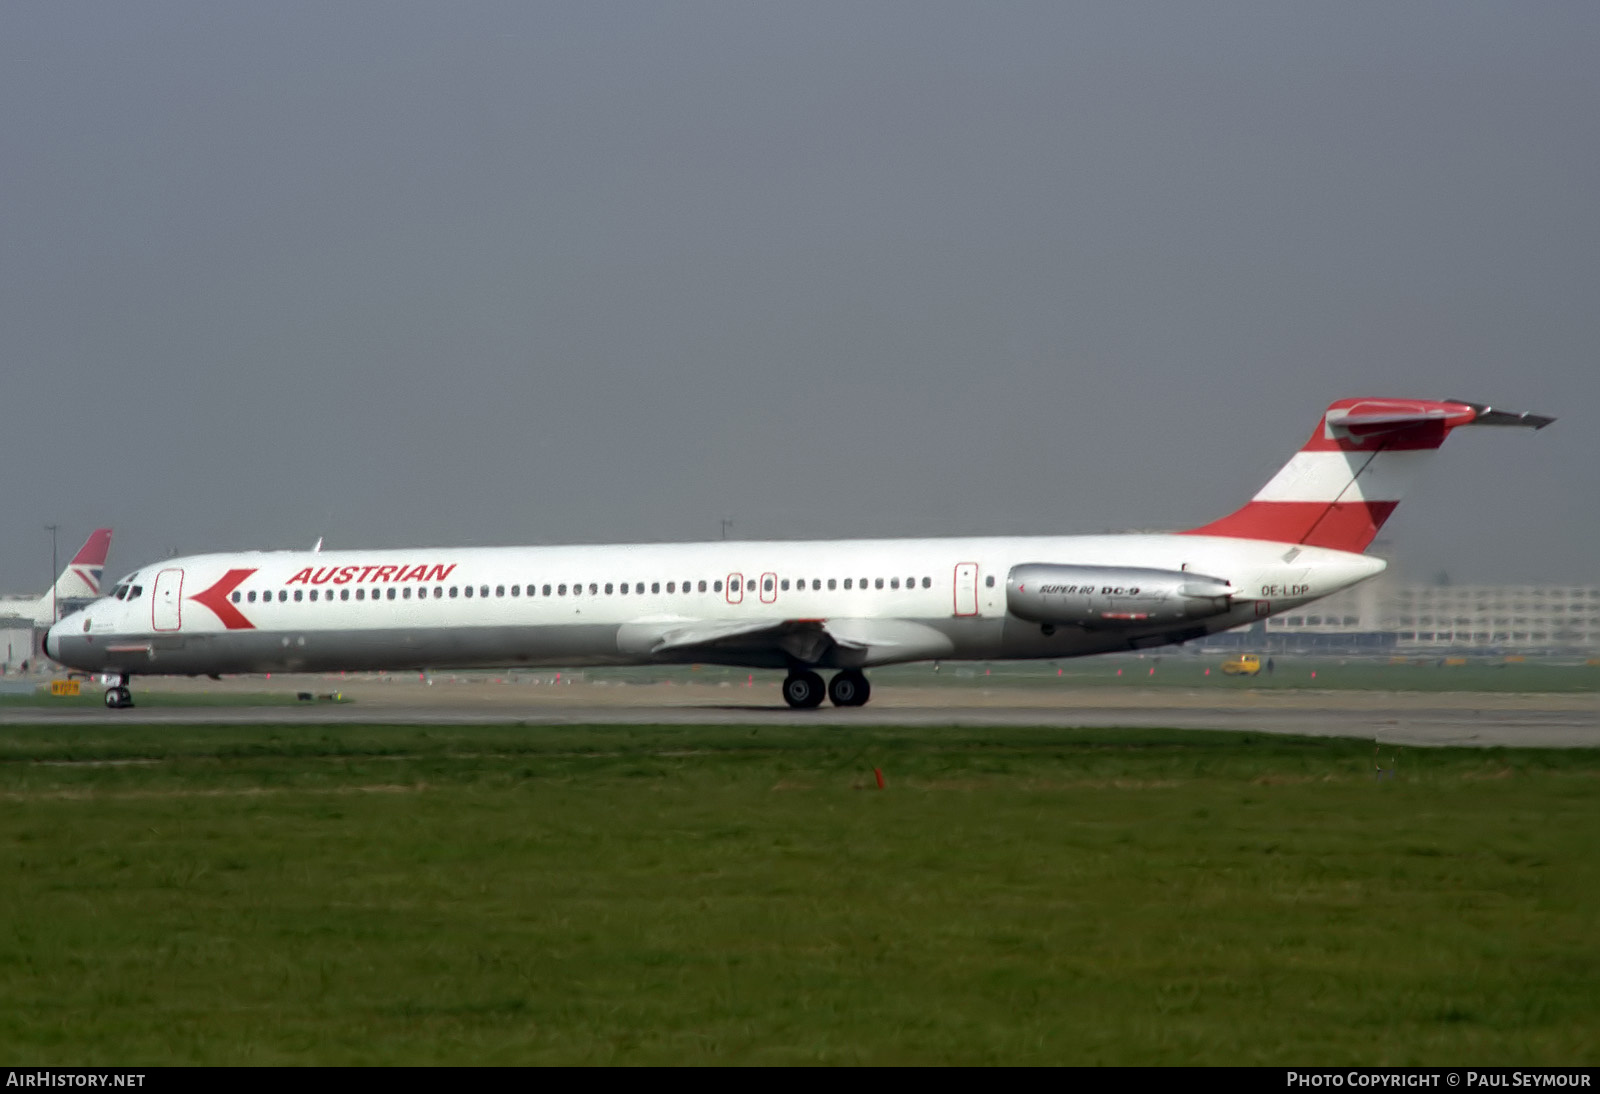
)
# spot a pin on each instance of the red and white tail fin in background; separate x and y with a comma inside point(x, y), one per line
point(81, 580)
point(83, 575)
point(1339, 489)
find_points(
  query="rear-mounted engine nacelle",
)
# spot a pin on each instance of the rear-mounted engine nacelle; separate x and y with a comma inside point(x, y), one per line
point(1107, 596)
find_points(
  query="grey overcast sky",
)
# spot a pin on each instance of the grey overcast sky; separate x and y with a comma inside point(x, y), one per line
point(470, 273)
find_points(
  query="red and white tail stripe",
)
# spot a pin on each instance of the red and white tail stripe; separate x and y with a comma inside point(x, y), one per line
point(1338, 490)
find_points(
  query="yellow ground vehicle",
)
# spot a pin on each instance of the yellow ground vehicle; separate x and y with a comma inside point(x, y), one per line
point(1245, 664)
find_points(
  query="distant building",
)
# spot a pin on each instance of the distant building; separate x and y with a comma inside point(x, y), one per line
point(1382, 614)
point(17, 644)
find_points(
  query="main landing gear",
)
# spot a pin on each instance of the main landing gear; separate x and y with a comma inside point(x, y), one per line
point(803, 690)
point(119, 697)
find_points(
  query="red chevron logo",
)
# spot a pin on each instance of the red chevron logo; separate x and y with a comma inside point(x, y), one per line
point(216, 598)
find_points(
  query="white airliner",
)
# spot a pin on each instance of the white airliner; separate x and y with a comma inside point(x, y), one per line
point(840, 605)
point(78, 585)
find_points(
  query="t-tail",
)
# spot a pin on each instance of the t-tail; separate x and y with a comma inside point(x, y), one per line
point(1338, 490)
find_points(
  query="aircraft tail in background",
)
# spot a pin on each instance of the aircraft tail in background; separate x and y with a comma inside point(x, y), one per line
point(82, 580)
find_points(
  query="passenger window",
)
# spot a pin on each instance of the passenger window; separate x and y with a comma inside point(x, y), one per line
point(816, 584)
point(911, 583)
point(547, 590)
point(750, 585)
point(894, 583)
point(766, 584)
point(562, 590)
point(499, 590)
point(405, 594)
point(252, 596)
point(390, 592)
point(863, 583)
point(422, 592)
point(361, 594)
point(989, 581)
point(655, 587)
point(466, 591)
point(638, 588)
point(283, 597)
point(236, 596)
point(483, 590)
point(453, 592)
point(594, 589)
point(927, 583)
point(438, 591)
point(298, 595)
point(833, 583)
point(716, 586)
point(877, 583)
point(847, 583)
point(344, 594)
point(672, 586)
point(703, 586)
point(313, 597)
point(784, 585)
point(516, 590)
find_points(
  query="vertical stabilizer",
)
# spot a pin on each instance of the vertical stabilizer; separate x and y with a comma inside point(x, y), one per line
point(81, 580)
point(1338, 490)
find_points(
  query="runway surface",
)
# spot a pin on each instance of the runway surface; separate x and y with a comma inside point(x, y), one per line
point(1413, 718)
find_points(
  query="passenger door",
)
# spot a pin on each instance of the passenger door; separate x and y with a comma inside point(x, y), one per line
point(166, 601)
point(967, 588)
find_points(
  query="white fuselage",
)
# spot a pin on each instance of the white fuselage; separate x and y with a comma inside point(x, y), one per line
point(839, 603)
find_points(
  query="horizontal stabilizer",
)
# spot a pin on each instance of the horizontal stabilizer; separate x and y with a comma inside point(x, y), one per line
point(1487, 415)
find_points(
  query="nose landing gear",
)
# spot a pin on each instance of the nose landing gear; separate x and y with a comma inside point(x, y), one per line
point(119, 697)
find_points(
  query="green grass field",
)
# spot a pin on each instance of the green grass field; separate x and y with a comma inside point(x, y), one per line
point(506, 895)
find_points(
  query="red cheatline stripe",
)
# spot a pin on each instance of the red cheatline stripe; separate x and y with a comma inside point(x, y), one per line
point(216, 598)
point(1346, 526)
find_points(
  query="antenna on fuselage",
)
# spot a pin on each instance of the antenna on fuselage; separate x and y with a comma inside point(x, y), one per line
point(317, 547)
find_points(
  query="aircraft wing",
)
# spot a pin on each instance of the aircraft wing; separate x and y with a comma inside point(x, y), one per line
point(824, 642)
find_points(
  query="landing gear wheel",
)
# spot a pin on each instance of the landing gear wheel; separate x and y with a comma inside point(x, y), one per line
point(803, 690)
point(118, 698)
point(849, 689)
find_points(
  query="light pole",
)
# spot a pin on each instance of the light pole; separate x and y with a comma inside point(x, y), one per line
point(54, 616)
